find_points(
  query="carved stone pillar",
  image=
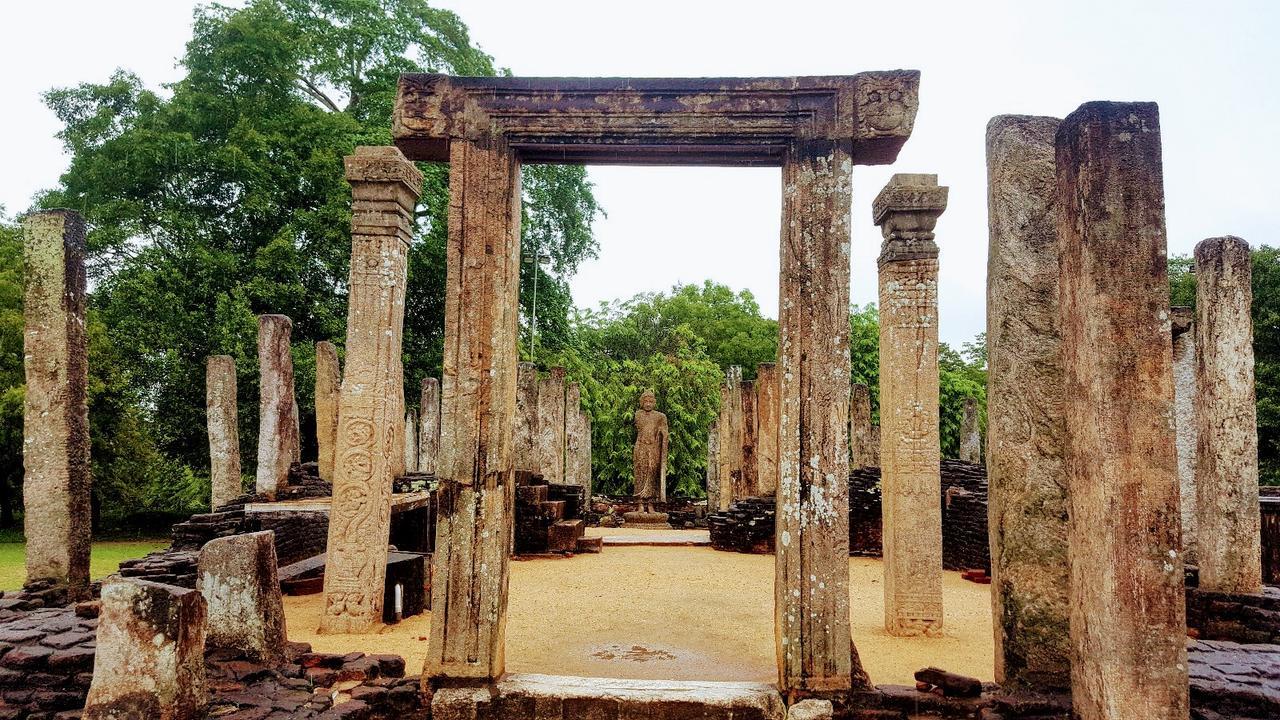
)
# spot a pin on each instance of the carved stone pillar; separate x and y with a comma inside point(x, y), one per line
point(410, 441)
point(525, 436)
point(1228, 521)
point(1182, 328)
point(811, 592)
point(429, 426)
point(477, 490)
point(551, 425)
point(906, 211)
point(328, 387)
point(747, 484)
point(713, 467)
point(861, 437)
point(766, 429)
point(577, 441)
point(1027, 512)
point(55, 418)
point(384, 191)
point(224, 433)
point(730, 426)
point(277, 409)
point(970, 432)
point(1128, 623)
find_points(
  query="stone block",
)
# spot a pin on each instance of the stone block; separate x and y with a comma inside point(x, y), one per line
point(238, 579)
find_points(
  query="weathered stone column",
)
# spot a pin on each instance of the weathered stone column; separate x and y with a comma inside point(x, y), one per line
point(429, 426)
point(551, 425)
point(577, 441)
point(1228, 522)
point(811, 590)
point(384, 191)
point(747, 485)
point(864, 453)
point(150, 653)
point(239, 580)
point(1027, 505)
point(473, 533)
point(525, 436)
point(410, 441)
point(731, 436)
point(970, 432)
point(277, 424)
point(1128, 624)
point(1182, 327)
point(328, 388)
point(906, 211)
point(55, 450)
point(767, 407)
point(224, 433)
point(713, 467)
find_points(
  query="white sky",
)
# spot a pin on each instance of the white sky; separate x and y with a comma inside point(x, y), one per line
point(1210, 66)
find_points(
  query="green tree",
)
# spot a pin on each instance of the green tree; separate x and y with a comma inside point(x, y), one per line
point(223, 197)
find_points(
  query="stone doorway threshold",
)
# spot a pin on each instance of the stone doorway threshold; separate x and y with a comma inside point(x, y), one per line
point(536, 697)
point(652, 537)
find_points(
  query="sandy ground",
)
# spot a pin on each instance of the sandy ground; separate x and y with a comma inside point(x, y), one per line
point(687, 613)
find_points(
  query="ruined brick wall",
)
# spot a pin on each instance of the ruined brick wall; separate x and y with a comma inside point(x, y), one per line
point(1238, 618)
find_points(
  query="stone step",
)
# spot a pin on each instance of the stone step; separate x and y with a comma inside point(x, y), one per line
point(552, 510)
point(563, 535)
point(589, 545)
point(531, 494)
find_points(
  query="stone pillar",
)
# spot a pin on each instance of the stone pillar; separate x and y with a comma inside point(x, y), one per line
point(730, 436)
point(747, 485)
point(277, 424)
point(970, 432)
point(525, 436)
point(906, 211)
point(429, 426)
point(577, 441)
point(713, 467)
point(860, 427)
point(1182, 327)
point(384, 191)
point(1228, 520)
point(766, 404)
point(55, 450)
point(811, 589)
point(224, 432)
point(410, 441)
point(1027, 510)
point(477, 490)
point(149, 661)
point(239, 581)
point(328, 388)
point(551, 425)
point(1128, 625)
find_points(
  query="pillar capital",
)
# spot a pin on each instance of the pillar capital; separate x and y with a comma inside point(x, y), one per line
point(380, 175)
point(907, 210)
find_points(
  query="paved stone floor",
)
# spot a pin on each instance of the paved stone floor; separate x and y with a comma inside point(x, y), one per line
point(1238, 681)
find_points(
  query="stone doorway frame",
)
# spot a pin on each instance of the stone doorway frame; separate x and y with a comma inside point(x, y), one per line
point(816, 129)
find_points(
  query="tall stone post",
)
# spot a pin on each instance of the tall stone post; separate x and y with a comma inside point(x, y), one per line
point(429, 426)
point(730, 437)
point(277, 424)
point(224, 432)
point(970, 432)
point(55, 427)
point(477, 490)
point(811, 590)
point(906, 211)
point(767, 407)
point(1027, 509)
point(861, 438)
point(1182, 327)
point(328, 388)
point(525, 450)
point(410, 441)
point(713, 467)
point(384, 192)
point(1128, 622)
point(551, 425)
point(748, 485)
point(1228, 521)
point(577, 441)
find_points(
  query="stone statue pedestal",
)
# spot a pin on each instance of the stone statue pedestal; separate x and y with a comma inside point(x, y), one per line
point(643, 519)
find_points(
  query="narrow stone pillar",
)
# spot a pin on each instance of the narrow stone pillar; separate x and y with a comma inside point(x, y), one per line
point(477, 490)
point(906, 211)
point(1128, 623)
point(149, 661)
point(860, 427)
point(1027, 510)
point(410, 441)
point(767, 407)
point(525, 451)
point(577, 441)
point(277, 424)
point(811, 590)
point(551, 425)
point(1182, 328)
point(224, 432)
point(1228, 519)
point(429, 426)
point(713, 467)
point(730, 436)
point(970, 432)
point(384, 191)
point(55, 450)
point(747, 484)
point(238, 578)
point(328, 388)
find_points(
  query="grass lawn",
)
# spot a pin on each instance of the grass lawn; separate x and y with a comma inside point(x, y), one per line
point(105, 559)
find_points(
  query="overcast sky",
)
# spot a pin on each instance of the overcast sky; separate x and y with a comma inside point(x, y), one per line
point(1211, 67)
